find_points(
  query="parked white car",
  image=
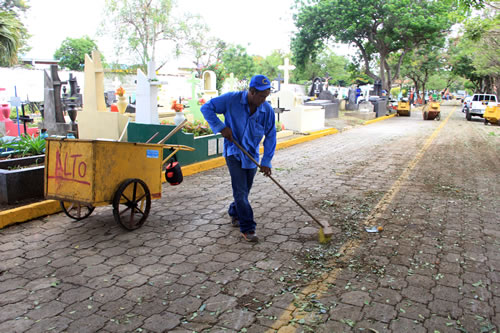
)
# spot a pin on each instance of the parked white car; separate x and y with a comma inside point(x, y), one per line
point(478, 105)
point(466, 103)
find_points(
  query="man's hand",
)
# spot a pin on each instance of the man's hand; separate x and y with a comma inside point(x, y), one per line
point(265, 170)
point(227, 133)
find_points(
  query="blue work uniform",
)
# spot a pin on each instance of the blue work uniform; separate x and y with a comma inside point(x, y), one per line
point(248, 130)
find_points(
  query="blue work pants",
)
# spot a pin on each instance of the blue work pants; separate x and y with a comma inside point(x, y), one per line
point(241, 182)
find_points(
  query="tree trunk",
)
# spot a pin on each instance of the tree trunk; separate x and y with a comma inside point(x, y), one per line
point(382, 72)
point(415, 82)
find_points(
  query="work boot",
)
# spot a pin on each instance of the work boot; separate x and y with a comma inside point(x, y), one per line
point(250, 236)
point(234, 222)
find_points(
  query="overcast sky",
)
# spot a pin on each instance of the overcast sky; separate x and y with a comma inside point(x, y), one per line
point(260, 25)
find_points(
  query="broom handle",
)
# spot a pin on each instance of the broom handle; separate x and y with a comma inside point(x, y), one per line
point(276, 182)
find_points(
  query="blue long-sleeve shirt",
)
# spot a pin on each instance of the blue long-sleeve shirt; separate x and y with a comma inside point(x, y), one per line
point(247, 129)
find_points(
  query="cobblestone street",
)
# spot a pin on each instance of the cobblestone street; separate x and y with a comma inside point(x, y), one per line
point(433, 186)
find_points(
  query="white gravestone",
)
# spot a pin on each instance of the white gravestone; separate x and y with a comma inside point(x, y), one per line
point(300, 117)
point(146, 111)
point(209, 84)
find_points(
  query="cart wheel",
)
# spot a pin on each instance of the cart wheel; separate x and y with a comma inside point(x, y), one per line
point(438, 117)
point(131, 204)
point(426, 115)
point(75, 210)
point(485, 121)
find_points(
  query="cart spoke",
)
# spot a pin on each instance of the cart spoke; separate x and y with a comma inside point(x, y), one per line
point(123, 195)
point(139, 210)
point(142, 197)
point(135, 191)
point(123, 211)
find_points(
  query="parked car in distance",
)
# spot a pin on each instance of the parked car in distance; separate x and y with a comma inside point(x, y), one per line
point(478, 104)
point(466, 103)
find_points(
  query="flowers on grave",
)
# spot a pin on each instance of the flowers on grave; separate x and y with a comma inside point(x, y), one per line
point(120, 91)
point(201, 101)
point(279, 126)
point(177, 107)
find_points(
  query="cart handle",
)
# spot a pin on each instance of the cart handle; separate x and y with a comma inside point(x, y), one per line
point(180, 147)
point(176, 149)
point(175, 130)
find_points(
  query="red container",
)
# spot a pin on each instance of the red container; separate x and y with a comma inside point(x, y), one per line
point(4, 111)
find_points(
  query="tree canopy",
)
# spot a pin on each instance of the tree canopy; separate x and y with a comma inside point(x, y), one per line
point(141, 25)
point(13, 34)
point(71, 53)
point(375, 27)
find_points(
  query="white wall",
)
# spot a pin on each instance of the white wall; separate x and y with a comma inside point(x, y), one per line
point(29, 83)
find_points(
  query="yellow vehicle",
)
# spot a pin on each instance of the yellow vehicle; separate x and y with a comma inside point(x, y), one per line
point(432, 110)
point(84, 174)
point(404, 108)
point(492, 115)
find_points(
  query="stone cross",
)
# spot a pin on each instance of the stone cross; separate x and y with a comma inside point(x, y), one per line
point(194, 82)
point(286, 68)
point(279, 79)
point(232, 82)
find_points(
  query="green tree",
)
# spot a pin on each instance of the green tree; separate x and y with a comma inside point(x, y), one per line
point(13, 34)
point(268, 66)
point(143, 25)
point(476, 54)
point(422, 63)
point(326, 62)
point(376, 27)
point(205, 51)
point(71, 53)
point(236, 60)
point(10, 38)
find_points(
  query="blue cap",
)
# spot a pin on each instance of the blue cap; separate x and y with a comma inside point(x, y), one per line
point(260, 82)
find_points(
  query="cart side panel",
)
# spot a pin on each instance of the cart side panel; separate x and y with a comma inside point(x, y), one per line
point(118, 161)
point(68, 170)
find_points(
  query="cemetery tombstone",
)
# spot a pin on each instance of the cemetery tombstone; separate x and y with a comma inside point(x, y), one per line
point(316, 87)
point(351, 100)
point(286, 68)
point(146, 107)
point(95, 121)
point(194, 105)
point(53, 117)
point(209, 82)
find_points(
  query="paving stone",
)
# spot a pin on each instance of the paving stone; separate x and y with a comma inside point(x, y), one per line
point(15, 310)
point(380, 312)
point(386, 296)
point(237, 319)
point(54, 324)
point(444, 308)
point(92, 323)
point(162, 322)
point(357, 298)
point(19, 325)
point(45, 310)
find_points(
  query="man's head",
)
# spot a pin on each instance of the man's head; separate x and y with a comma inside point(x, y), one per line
point(260, 88)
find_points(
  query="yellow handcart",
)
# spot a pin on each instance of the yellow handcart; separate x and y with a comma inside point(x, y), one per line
point(404, 108)
point(492, 115)
point(84, 174)
point(432, 110)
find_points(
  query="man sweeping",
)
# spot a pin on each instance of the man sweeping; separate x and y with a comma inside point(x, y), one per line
point(247, 118)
